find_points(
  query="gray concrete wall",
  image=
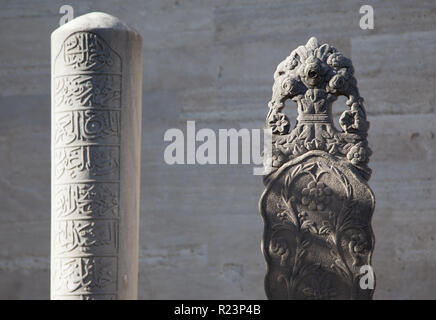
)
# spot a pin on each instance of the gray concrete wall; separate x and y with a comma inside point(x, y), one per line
point(213, 62)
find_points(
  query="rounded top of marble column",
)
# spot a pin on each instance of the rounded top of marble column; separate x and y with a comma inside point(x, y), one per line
point(93, 21)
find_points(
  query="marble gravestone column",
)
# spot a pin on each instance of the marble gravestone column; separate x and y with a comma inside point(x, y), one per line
point(317, 205)
point(96, 134)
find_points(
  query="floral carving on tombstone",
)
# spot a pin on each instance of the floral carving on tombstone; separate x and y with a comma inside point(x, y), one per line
point(317, 205)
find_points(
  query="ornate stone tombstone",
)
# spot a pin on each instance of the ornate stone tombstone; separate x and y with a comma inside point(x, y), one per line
point(96, 134)
point(317, 205)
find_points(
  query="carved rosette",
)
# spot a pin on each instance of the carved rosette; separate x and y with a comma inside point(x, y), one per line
point(317, 205)
point(86, 135)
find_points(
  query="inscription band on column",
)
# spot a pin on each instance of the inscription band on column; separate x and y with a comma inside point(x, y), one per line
point(86, 142)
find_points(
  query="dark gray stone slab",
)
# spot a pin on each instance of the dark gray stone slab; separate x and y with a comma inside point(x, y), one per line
point(317, 205)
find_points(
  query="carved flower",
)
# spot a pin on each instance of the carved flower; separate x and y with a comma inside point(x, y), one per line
point(338, 83)
point(352, 120)
point(290, 87)
point(316, 196)
point(357, 154)
point(313, 73)
point(347, 120)
point(337, 60)
point(292, 63)
point(279, 123)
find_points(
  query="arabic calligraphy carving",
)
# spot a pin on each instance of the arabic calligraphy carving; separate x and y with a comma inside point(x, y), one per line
point(86, 51)
point(75, 127)
point(86, 200)
point(83, 275)
point(86, 160)
point(79, 237)
point(85, 90)
point(317, 205)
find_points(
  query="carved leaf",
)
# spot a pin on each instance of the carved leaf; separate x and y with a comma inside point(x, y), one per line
point(310, 226)
point(296, 170)
point(287, 182)
point(305, 244)
point(326, 228)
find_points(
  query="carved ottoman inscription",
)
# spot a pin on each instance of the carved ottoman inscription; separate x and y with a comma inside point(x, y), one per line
point(317, 205)
point(86, 155)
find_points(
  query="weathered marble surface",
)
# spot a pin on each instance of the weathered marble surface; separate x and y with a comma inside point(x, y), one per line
point(213, 251)
point(317, 206)
point(96, 131)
